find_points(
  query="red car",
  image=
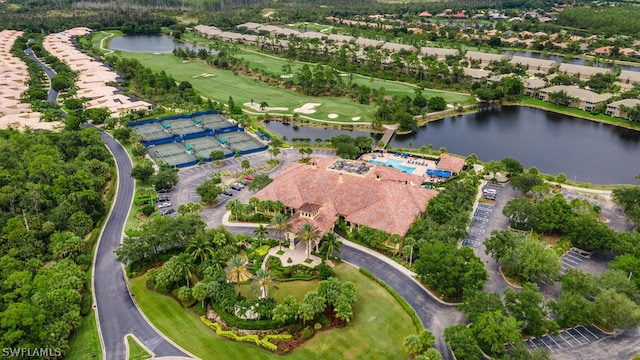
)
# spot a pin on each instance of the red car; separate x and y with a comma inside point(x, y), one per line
point(248, 177)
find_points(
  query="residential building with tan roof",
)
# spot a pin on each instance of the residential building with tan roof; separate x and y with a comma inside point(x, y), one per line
point(629, 77)
point(584, 72)
point(439, 53)
point(533, 85)
point(340, 38)
point(615, 108)
point(476, 74)
point(581, 98)
point(379, 197)
point(364, 42)
point(483, 58)
point(311, 35)
point(395, 47)
point(534, 66)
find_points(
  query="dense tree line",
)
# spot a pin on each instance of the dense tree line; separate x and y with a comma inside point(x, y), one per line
point(606, 20)
point(51, 196)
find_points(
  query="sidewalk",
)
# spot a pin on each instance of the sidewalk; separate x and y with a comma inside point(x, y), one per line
point(226, 222)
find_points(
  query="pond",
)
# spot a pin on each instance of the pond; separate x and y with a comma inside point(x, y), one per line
point(148, 43)
point(584, 150)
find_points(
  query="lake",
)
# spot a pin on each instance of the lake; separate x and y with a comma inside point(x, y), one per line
point(584, 150)
point(148, 43)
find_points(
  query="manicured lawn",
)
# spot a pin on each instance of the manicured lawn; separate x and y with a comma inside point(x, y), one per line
point(219, 85)
point(136, 351)
point(295, 288)
point(85, 342)
point(376, 332)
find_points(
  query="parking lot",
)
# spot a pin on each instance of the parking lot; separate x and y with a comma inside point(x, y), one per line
point(481, 217)
point(567, 339)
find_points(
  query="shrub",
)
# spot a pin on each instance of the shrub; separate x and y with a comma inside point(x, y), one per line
point(147, 210)
point(317, 326)
point(236, 322)
point(324, 271)
point(295, 328)
point(306, 333)
point(286, 272)
point(264, 342)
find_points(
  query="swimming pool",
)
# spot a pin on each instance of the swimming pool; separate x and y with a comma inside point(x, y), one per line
point(395, 163)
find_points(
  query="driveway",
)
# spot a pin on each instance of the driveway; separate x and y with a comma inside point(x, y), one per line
point(116, 312)
point(433, 315)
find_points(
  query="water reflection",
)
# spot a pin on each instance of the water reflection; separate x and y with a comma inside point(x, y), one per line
point(554, 143)
point(149, 43)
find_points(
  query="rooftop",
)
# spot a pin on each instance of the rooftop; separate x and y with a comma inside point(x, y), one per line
point(383, 198)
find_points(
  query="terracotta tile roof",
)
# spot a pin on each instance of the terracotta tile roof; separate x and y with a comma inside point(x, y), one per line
point(384, 198)
point(450, 163)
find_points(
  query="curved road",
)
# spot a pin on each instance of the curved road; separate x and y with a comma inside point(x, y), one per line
point(53, 95)
point(116, 312)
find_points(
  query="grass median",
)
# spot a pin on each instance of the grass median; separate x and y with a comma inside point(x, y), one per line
point(377, 331)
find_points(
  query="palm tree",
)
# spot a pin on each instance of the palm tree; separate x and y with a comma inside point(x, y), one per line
point(236, 271)
point(234, 207)
point(260, 232)
point(200, 249)
point(308, 234)
point(330, 244)
point(279, 225)
point(412, 344)
point(184, 266)
point(263, 281)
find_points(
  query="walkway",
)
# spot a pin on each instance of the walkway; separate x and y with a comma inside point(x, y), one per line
point(391, 129)
point(116, 312)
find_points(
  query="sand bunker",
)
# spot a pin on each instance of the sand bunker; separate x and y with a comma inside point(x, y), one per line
point(307, 108)
point(256, 106)
point(286, 76)
point(355, 118)
point(203, 75)
point(332, 116)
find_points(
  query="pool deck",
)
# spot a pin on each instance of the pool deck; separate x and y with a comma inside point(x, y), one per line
point(421, 165)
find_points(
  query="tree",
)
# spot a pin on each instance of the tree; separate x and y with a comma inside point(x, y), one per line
point(330, 244)
point(437, 103)
point(312, 305)
point(236, 271)
point(477, 302)
point(165, 179)
point(139, 151)
point(245, 164)
point(525, 182)
point(216, 155)
point(462, 342)
point(615, 310)
point(274, 151)
point(308, 234)
point(287, 310)
point(209, 191)
point(629, 199)
point(412, 344)
point(279, 224)
point(235, 207)
point(513, 166)
point(200, 248)
point(189, 208)
point(493, 329)
point(527, 306)
point(123, 134)
point(450, 270)
point(589, 234)
point(184, 266)
point(263, 281)
point(142, 171)
point(519, 210)
point(552, 214)
point(260, 232)
point(259, 182)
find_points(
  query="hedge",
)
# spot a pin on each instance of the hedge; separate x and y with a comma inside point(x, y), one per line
point(264, 342)
point(405, 305)
point(236, 322)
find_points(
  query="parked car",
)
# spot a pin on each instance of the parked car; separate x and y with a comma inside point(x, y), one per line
point(227, 192)
point(236, 187)
point(248, 177)
point(162, 198)
point(164, 191)
point(167, 211)
point(239, 184)
point(163, 205)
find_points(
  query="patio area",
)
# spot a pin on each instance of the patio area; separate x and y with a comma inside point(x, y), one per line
point(409, 164)
point(297, 256)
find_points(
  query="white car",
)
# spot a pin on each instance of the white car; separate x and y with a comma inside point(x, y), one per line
point(164, 205)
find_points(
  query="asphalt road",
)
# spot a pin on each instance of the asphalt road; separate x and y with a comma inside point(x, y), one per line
point(53, 95)
point(433, 315)
point(117, 314)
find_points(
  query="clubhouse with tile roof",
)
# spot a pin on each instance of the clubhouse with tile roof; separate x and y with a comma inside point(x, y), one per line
point(361, 194)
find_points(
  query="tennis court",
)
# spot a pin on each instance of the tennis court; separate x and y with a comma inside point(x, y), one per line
point(203, 146)
point(151, 131)
point(174, 154)
point(182, 127)
point(213, 121)
point(239, 140)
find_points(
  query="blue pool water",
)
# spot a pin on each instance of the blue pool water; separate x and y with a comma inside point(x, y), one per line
point(395, 163)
